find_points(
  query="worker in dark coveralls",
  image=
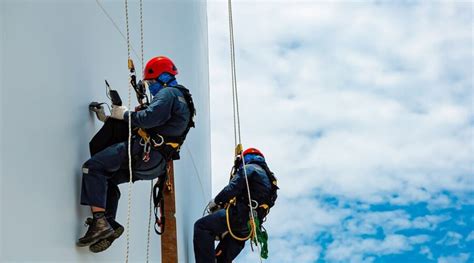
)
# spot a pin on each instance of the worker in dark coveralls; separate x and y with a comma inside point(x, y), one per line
point(214, 225)
point(168, 114)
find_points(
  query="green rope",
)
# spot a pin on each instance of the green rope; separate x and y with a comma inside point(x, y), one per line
point(261, 237)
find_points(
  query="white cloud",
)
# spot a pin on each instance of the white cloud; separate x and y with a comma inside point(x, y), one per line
point(429, 222)
point(303, 217)
point(344, 250)
point(279, 252)
point(427, 252)
point(470, 237)
point(450, 239)
point(461, 258)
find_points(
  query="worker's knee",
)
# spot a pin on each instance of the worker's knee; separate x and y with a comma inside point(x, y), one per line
point(198, 226)
point(91, 165)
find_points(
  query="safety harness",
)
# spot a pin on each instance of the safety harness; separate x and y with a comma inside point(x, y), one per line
point(169, 147)
point(260, 211)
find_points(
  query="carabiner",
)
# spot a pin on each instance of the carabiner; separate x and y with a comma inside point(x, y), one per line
point(162, 140)
point(146, 152)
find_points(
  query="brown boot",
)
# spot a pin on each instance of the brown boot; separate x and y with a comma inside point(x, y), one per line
point(99, 229)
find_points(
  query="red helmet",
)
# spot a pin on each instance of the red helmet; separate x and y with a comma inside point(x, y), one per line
point(158, 65)
point(253, 151)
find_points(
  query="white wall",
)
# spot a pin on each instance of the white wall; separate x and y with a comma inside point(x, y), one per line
point(55, 56)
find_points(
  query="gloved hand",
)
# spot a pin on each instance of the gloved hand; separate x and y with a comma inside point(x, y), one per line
point(99, 110)
point(118, 111)
point(212, 206)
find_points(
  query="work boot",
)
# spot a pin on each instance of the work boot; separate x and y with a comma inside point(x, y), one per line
point(107, 242)
point(99, 110)
point(99, 229)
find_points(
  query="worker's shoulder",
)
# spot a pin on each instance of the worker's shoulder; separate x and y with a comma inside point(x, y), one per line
point(172, 91)
point(180, 90)
point(253, 167)
point(167, 93)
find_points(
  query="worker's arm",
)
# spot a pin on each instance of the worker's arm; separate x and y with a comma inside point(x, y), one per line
point(234, 188)
point(156, 114)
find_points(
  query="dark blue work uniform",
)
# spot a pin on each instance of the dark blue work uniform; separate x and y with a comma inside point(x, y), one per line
point(210, 226)
point(168, 114)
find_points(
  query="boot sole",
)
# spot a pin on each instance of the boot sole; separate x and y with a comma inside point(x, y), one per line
point(106, 235)
point(105, 243)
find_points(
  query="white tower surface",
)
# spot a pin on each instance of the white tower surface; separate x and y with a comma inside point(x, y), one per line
point(54, 58)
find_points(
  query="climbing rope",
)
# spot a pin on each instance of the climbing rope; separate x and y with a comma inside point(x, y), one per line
point(129, 140)
point(235, 100)
point(151, 188)
point(149, 223)
point(141, 57)
point(141, 34)
point(237, 131)
point(131, 68)
point(232, 202)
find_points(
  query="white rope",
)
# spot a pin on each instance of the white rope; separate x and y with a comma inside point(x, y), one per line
point(141, 34)
point(149, 224)
point(151, 188)
point(236, 112)
point(130, 48)
point(233, 72)
point(129, 142)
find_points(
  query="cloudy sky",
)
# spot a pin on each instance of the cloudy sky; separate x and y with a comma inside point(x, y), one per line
point(365, 113)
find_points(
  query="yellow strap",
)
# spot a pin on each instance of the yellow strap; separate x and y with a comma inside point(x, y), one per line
point(173, 144)
point(144, 135)
point(265, 206)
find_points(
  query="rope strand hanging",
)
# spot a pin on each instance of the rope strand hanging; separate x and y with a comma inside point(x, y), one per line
point(236, 115)
point(129, 139)
point(131, 49)
point(131, 84)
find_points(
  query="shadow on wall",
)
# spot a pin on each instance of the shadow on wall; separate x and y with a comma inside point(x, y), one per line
point(82, 211)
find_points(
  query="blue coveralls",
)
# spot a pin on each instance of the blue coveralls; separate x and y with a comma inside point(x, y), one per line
point(168, 114)
point(210, 226)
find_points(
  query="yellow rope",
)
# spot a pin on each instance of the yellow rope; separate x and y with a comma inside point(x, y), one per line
point(252, 231)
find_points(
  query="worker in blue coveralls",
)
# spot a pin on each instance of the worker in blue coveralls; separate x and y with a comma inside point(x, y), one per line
point(167, 118)
point(215, 225)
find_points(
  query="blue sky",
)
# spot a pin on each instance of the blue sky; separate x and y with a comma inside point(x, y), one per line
point(365, 113)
